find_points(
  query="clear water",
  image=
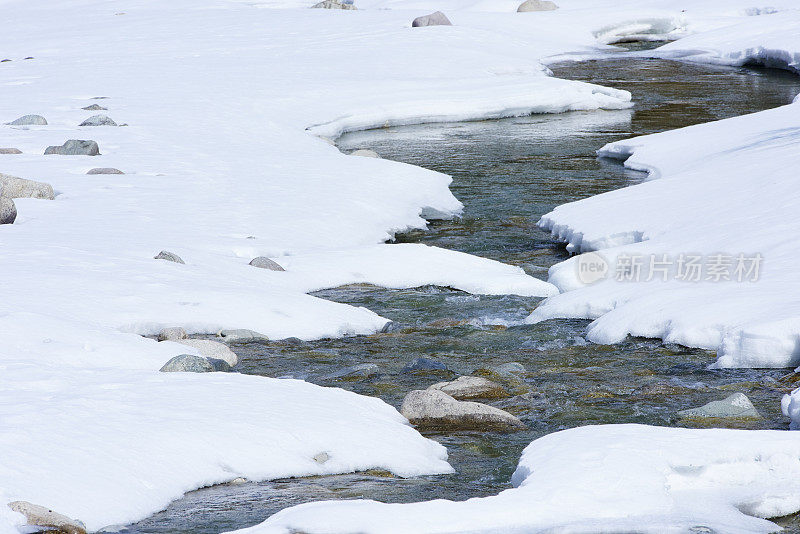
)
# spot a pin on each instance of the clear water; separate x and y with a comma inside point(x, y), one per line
point(508, 173)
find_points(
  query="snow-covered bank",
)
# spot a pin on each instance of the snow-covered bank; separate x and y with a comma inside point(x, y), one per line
point(612, 478)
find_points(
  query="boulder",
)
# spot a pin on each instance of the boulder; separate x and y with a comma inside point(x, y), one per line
point(434, 409)
point(262, 262)
point(98, 120)
point(95, 107)
point(168, 256)
point(240, 335)
point(189, 363)
point(74, 147)
point(10, 151)
point(536, 5)
point(334, 4)
point(40, 516)
point(213, 350)
point(471, 387)
point(13, 187)
point(737, 406)
point(424, 365)
point(434, 19)
point(356, 372)
point(172, 333)
point(8, 211)
point(364, 153)
point(29, 120)
point(105, 170)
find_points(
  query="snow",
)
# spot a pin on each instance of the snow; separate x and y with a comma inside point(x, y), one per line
point(611, 478)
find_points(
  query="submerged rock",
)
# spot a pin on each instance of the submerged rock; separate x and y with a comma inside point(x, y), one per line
point(424, 365)
point(435, 409)
point(94, 107)
point(736, 406)
point(41, 516)
point(105, 170)
point(172, 333)
point(471, 387)
point(212, 350)
point(536, 5)
point(189, 363)
point(434, 19)
point(13, 187)
point(168, 256)
point(362, 370)
point(8, 211)
point(75, 147)
point(241, 335)
point(262, 262)
point(334, 4)
point(29, 120)
point(364, 153)
point(10, 151)
point(98, 120)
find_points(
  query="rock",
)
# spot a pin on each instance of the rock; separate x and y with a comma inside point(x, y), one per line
point(168, 256)
point(4, 60)
point(505, 372)
point(10, 151)
point(434, 19)
point(94, 107)
point(98, 120)
point(213, 350)
point(334, 4)
point(327, 140)
point(75, 147)
point(13, 187)
point(364, 153)
point(321, 457)
point(238, 481)
point(29, 120)
point(189, 363)
point(241, 336)
point(362, 370)
point(435, 409)
point(736, 406)
point(262, 262)
point(105, 170)
point(423, 365)
point(471, 387)
point(8, 211)
point(172, 333)
point(536, 5)
point(44, 517)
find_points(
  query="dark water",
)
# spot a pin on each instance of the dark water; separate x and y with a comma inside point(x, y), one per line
point(508, 173)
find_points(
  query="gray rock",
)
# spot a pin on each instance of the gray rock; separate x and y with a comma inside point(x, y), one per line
point(13, 187)
point(8, 211)
point(333, 4)
point(29, 120)
point(356, 372)
point(434, 19)
point(213, 350)
point(536, 5)
point(94, 107)
point(189, 363)
point(262, 262)
point(168, 256)
point(424, 365)
point(364, 153)
point(172, 333)
point(240, 335)
point(10, 151)
point(98, 120)
point(736, 406)
point(74, 147)
point(321, 457)
point(105, 170)
point(44, 517)
point(471, 387)
point(435, 409)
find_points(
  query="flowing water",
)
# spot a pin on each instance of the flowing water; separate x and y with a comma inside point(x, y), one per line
point(508, 173)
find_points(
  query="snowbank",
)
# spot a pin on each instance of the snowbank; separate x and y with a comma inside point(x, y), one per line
point(612, 478)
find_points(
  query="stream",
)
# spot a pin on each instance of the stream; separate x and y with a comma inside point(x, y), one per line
point(508, 173)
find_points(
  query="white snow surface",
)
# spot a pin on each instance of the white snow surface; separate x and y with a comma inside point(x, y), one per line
point(611, 478)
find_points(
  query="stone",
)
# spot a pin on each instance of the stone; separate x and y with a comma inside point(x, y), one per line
point(364, 153)
point(105, 170)
point(434, 409)
point(41, 516)
point(4, 60)
point(241, 335)
point(213, 350)
point(471, 387)
point(262, 262)
point(434, 19)
point(327, 140)
point(172, 333)
point(13, 187)
point(362, 370)
point(10, 151)
point(98, 120)
point(321, 457)
point(536, 5)
point(168, 256)
point(334, 4)
point(238, 481)
point(29, 120)
point(736, 406)
point(8, 211)
point(94, 107)
point(189, 363)
point(74, 147)
point(424, 365)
